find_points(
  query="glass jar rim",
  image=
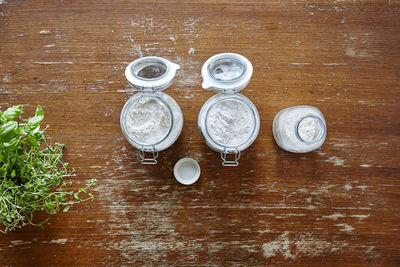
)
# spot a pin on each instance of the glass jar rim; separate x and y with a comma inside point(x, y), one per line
point(213, 105)
point(202, 124)
point(320, 135)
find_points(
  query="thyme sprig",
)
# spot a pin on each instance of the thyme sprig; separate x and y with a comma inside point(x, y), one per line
point(32, 172)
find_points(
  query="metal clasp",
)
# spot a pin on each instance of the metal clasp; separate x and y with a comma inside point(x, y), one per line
point(230, 163)
point(150, 160)
point(151, 90)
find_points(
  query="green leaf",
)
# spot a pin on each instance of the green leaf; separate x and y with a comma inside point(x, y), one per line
point(93, 182)
point(12, 145)
point(82, 190)
point(39, 111)
point(32, 140)
point(49, 207)
point(12, 112)
point(3, 118)
point(33, 123)
point(8, 131)
point(66, 209)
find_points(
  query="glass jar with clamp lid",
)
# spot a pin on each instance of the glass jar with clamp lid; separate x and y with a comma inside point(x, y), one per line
point(151, 120)
point(229, 122)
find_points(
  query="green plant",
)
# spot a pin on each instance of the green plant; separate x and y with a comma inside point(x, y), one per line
point(32, 172)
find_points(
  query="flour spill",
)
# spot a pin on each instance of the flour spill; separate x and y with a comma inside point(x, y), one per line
point(304, 244)
point(44, 32)
point(191, 51)
point(335, 160)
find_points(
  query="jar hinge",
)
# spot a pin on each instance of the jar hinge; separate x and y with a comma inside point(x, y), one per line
point(144, 90)
point(231, 163)
point(149, 160)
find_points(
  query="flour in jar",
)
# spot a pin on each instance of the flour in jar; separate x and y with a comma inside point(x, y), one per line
point(309, 129)
point(230, 122)
point(148, 121)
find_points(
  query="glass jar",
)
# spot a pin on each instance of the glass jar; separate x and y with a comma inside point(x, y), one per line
point(151, 120)
point(299, 129)
point(228, 122)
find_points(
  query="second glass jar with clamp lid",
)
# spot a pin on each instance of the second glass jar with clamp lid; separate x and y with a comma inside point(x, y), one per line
point(151, 120)
point(229, 122)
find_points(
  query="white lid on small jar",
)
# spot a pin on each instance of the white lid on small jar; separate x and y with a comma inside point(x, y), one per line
point(151, 73)
point(226, 73)
point(187, 171)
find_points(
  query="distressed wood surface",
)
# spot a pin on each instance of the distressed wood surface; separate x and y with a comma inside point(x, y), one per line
point(337, 206)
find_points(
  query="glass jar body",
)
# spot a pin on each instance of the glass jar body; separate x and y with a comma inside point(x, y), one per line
point(218, 143)
point(299, 129)
point(175, 126)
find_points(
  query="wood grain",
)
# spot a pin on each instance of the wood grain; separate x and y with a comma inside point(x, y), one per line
point(337, 206)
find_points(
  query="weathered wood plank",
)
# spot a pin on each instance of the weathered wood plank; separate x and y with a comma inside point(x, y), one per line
point(335, 206)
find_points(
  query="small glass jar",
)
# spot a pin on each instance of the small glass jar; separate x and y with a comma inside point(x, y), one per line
point(299, 129)
point(151, 120)
point(228, 122)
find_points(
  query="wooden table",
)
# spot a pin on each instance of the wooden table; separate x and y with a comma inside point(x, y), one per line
point(337, 206)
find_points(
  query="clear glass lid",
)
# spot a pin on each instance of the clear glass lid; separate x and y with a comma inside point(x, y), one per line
point(226, 73)
point(151, 73)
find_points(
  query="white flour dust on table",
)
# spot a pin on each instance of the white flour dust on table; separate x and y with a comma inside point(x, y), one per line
point(148, 121)
point(230, 123)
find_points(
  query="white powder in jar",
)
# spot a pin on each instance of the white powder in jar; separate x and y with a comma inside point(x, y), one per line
point(309, 129)
point(230, 123)
point(148, 121)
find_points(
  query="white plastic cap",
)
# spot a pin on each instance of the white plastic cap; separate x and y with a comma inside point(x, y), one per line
point(187, 171)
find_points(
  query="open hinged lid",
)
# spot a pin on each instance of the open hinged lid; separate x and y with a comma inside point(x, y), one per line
point(151, 73)
point(226, 73)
